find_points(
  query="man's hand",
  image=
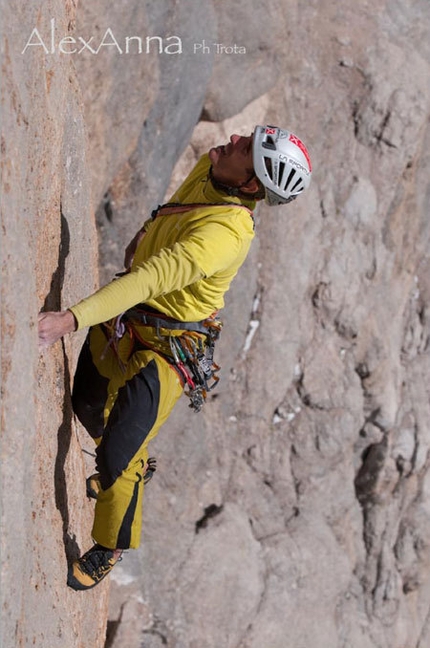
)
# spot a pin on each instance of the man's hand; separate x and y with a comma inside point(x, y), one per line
point(52, 326)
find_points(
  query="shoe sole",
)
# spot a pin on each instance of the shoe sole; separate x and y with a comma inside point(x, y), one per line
point(75, 584)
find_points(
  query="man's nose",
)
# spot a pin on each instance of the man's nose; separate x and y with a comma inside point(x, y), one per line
point(234, 139)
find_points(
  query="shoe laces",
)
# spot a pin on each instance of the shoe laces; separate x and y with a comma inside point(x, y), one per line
point(97, 561)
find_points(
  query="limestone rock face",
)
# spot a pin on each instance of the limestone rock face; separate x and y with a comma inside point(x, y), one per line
point(140, 108)
point(294, 510)
point(48, 237)
point(250, 55)
point(117, 89)
point(319, 428)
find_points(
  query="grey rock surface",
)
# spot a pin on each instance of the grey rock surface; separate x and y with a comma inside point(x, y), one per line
point(48, 237)
point(319, 430)
point(119, 84)
point(293, 512)
point(250, 55)
point(141, 109)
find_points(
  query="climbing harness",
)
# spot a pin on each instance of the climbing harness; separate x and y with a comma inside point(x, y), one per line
point(191, 352)
point(191, 347)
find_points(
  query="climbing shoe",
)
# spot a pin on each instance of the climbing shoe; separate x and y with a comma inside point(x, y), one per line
point(93, 486)
point(88, 570)
point(93, 482)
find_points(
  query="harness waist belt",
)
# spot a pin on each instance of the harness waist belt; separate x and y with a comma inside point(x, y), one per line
point(159, 320)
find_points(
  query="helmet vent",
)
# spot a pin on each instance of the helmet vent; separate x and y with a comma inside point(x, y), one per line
point(269, 143)
point(268, 165)
point(281, 172)
point(289, 179)
point(297, 185)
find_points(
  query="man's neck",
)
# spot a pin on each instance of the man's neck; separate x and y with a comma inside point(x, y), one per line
point(226, 188)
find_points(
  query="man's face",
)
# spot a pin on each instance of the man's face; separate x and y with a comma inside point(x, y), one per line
point(232, 162)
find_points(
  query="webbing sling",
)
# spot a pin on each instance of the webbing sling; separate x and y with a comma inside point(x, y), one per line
point(159, 320)
point(180, 208)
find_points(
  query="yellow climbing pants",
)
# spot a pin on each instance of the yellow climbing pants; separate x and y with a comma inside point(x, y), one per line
point(122, 396)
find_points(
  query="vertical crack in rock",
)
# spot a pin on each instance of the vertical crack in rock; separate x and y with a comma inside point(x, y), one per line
point(297, 483)
point(372, 485)
point(323, 209)
point(392, 565)
point(53, 298)
point(366, 481)
point(379, 135)
point(64, 435)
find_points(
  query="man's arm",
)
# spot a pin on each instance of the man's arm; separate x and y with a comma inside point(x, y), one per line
point(204, 252)
point(207, 250)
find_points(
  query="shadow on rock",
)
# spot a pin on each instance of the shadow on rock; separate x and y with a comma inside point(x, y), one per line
point(64, 434)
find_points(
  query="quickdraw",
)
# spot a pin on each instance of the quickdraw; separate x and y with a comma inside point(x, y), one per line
point(194, 359)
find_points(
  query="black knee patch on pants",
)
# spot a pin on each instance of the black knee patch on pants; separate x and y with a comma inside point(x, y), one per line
point(131, 420)
point(89, 393)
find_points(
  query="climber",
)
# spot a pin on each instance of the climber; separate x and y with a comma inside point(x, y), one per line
point(153, 329)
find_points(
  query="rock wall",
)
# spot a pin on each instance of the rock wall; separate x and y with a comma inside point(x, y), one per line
point(48, 237)
point(151, 103)
point(293, 512)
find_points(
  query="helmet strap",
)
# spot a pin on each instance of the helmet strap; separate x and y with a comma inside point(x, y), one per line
point(228, 189)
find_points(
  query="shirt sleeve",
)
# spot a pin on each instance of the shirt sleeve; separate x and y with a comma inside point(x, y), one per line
point(206, 250)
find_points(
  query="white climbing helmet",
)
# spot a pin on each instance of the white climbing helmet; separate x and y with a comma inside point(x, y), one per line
point(281, 163)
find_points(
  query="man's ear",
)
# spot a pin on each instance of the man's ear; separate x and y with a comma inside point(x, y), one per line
point(251, 187)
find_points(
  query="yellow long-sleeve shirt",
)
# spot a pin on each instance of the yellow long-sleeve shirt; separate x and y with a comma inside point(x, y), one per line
point(185, 262)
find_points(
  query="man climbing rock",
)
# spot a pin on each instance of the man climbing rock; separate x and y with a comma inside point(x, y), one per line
point(153, 329)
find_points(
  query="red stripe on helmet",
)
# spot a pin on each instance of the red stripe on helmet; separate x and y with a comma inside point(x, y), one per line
point(295, 140)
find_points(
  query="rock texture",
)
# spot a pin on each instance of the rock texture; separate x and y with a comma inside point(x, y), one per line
point(318, 435)
point(48, 237)
point(294, 511)
point(250, 55)
point(151, 104)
